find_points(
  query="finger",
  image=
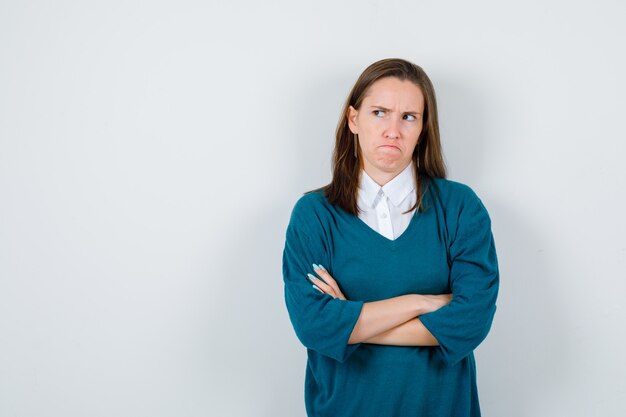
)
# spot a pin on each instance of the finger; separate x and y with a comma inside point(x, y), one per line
point(322, 271)
point(327, 289)
point(328, 279)
point(332, 284)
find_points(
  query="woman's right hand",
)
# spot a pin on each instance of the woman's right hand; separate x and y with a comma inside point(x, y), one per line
point(429, 303)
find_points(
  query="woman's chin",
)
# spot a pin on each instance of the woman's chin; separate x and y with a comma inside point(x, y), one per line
point(391, 163)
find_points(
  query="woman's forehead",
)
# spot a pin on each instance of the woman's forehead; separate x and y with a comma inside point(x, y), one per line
point(392, 90)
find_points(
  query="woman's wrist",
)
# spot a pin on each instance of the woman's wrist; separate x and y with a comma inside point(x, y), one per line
point(420, 305)
point(427, 303)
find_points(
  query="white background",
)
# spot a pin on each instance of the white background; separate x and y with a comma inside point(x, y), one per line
point(151, 152)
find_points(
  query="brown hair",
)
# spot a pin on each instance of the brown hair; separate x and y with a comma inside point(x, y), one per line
point(427, 156)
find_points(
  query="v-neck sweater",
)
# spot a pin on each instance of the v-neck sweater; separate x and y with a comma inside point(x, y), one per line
point(447, 248)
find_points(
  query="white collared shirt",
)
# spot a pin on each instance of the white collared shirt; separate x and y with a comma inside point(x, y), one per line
point(381, 208)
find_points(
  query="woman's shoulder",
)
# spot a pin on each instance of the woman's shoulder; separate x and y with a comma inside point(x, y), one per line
point(310, 208)
point(312, 200)
point(452, 188)
point(454, 194)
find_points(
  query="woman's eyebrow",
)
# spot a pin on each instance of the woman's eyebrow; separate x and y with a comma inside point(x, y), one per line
point(386, 109)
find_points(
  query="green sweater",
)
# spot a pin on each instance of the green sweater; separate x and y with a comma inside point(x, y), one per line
point(448, 248)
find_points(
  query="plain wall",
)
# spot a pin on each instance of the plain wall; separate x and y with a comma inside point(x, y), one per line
point(151, 153)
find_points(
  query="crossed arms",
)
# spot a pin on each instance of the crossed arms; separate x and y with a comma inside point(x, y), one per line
point(393, 321)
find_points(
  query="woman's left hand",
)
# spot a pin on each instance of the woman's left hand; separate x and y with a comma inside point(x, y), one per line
point(327, 283)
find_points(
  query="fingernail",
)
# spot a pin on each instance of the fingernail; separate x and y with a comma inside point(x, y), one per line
point(316, 267)
point(321, 267)
point(311, 276)
point(317, 288)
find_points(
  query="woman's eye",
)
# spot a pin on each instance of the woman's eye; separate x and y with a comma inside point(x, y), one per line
point(410, 117)
point(379, 112)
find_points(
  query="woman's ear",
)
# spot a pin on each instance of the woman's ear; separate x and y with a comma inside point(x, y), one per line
point(352, 114)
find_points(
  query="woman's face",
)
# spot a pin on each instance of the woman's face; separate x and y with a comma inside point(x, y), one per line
point(388, 123)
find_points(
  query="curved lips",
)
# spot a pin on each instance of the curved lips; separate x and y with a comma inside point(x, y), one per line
point(389, 146)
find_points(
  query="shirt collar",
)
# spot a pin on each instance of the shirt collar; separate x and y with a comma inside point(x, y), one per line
point(397, 189)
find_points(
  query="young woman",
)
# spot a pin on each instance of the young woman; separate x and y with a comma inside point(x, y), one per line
point(390, 271)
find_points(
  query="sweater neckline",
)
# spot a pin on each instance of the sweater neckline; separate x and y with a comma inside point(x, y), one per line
point(385, 239)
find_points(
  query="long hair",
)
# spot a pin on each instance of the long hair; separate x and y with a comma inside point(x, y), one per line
point(347, 161)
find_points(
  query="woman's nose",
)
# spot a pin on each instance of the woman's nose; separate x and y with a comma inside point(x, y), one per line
point(393, 129)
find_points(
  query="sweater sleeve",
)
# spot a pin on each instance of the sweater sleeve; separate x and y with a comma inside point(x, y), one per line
point(321, 322)
point(462, 325)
